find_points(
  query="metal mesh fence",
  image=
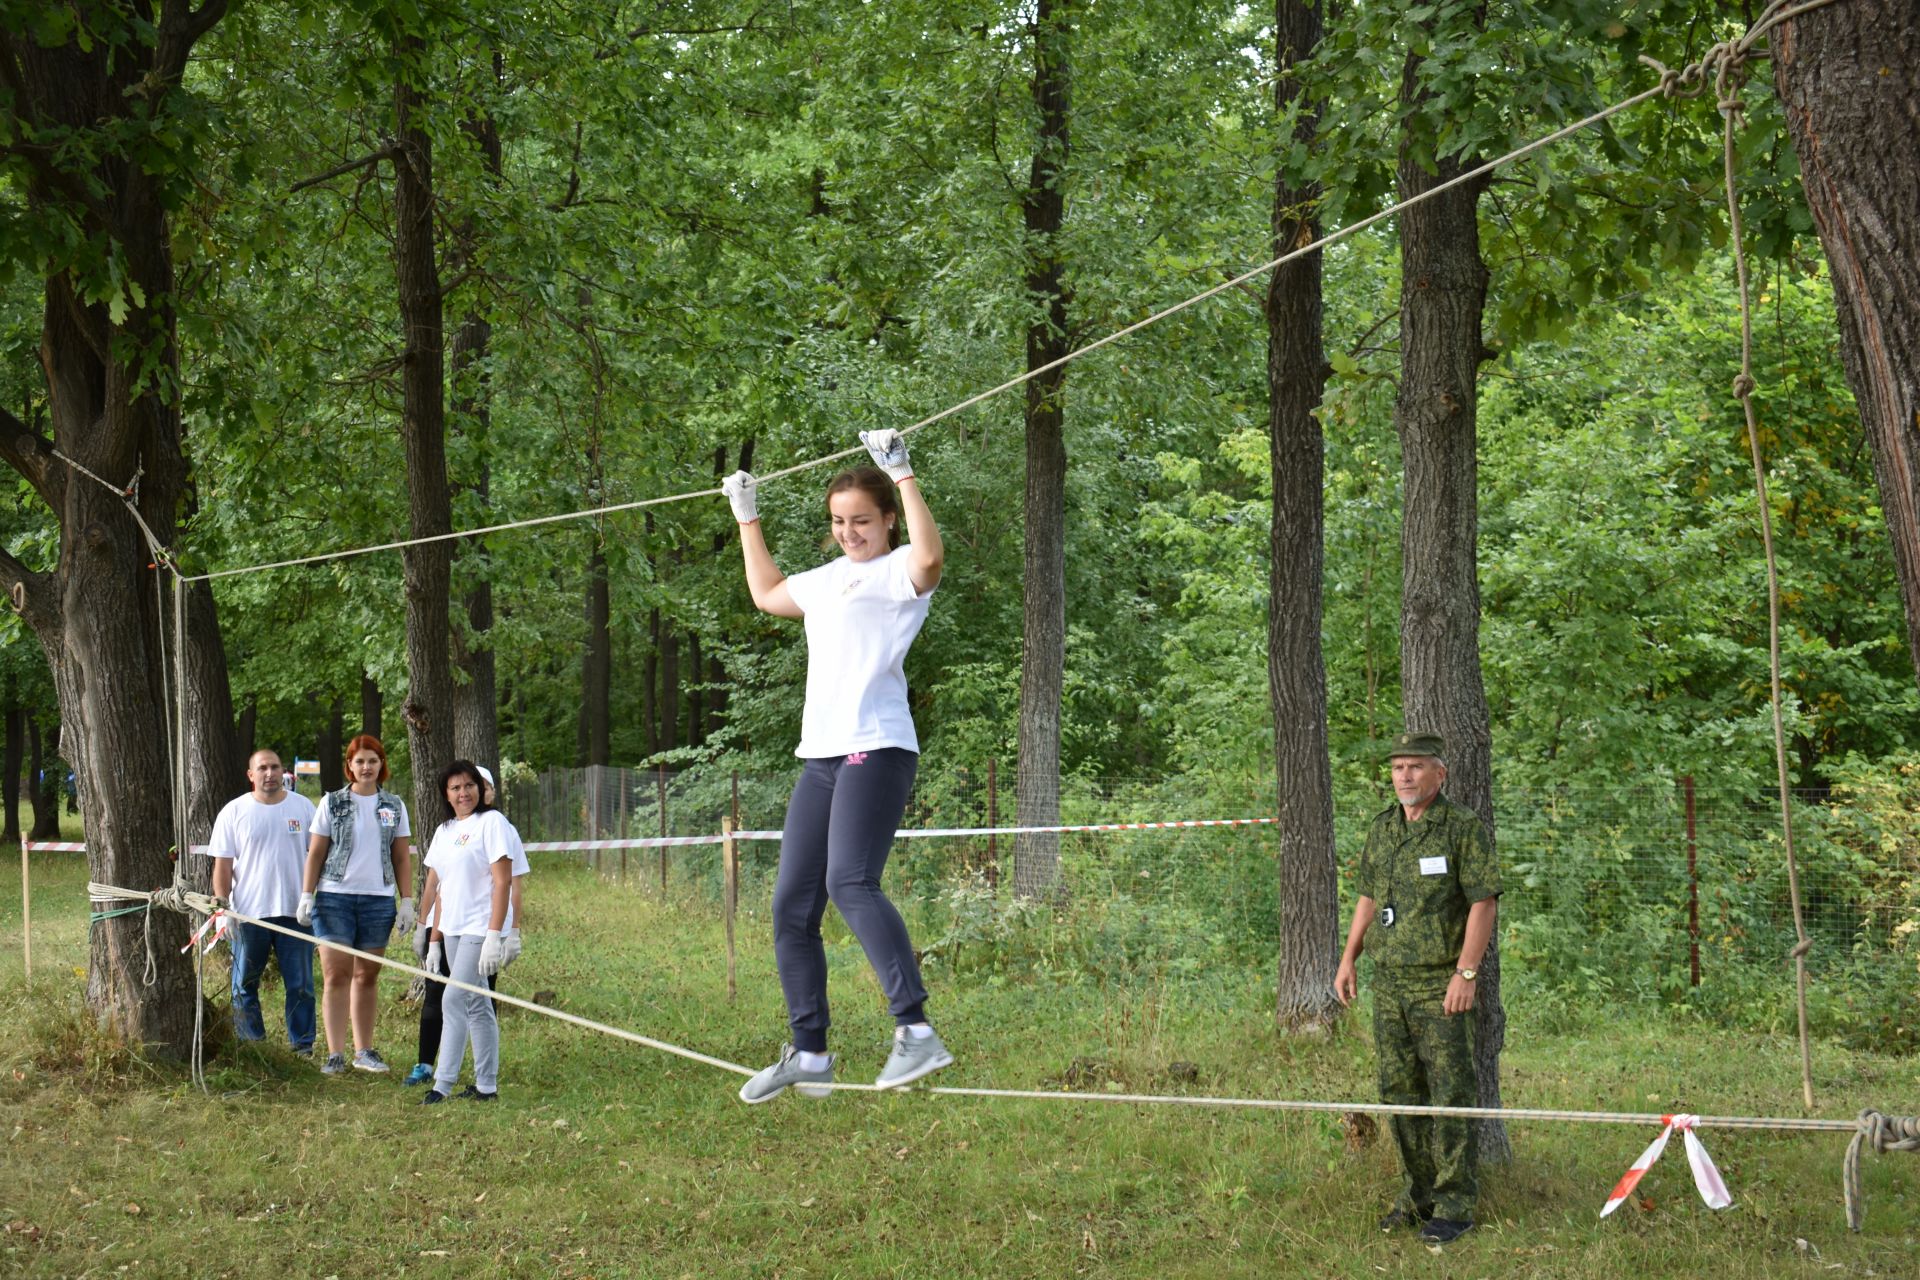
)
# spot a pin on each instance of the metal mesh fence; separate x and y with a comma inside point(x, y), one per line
point(1642, 891)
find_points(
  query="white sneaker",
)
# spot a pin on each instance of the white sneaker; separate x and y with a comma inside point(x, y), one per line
point(771, 1082)
point(912, 1057)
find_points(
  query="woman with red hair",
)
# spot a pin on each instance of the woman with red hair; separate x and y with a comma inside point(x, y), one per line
point(358, 850)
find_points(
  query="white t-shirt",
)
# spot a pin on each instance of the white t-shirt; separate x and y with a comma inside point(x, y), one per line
point(268, 846)
point(363, 868)
point(861, 617)
point(521, 866)
point(463, 853)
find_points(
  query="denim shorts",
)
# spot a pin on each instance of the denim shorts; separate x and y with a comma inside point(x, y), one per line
point(361, 920)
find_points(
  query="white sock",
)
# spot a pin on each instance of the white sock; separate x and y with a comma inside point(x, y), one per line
point(920, 1030)
point(813, 1061)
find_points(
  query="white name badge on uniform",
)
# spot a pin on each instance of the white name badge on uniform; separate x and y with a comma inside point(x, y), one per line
point(1433, 866)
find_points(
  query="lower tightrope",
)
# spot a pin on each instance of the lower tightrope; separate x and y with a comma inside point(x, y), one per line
point(1870, 1128)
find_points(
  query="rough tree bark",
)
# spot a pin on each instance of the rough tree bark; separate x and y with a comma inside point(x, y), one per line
point(1043, 653)
point(1443, 292)
point(1296, 670)
point(112, 378)
point(428, 567)
point(476, 711)
point(1848, 76)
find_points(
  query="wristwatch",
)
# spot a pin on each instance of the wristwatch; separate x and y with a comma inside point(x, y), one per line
point(1468, 974)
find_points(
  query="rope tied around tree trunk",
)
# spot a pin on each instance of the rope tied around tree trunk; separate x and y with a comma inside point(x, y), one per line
point(1883, 1133)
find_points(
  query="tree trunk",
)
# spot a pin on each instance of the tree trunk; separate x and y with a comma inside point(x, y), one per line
point(43, 785)
point(10, 771)
point(248, 728)
point(1296, 671)
point(1443, 291)
point(596, 675)
point(370, 705)
point(669, 688)
point(649, 682)
point(428, 710)
point(696, 693)
point(111, 364)
point(476, 708)
point(1044, 570)
point(1848, 77)
point(330, 744)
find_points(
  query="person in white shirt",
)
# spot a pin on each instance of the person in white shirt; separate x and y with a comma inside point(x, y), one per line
point(429, 944)
point(470, 882)
point(259, 847)
point(358, 859)
point(862, 612)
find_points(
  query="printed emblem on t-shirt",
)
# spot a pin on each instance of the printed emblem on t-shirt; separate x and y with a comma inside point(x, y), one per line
point(386, 816)
point(853, 585)
point(295, 826)
point(462, 839)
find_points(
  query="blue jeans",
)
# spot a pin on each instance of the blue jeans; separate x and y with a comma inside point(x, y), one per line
point(363, 921)
point(251, 946)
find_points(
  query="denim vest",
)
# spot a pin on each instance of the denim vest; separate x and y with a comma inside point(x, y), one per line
point(340, 819)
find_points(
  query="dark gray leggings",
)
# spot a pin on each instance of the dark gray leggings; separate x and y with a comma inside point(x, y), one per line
point(840, 825)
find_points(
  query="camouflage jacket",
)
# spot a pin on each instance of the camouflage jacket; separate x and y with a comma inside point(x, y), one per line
point(1423, 876)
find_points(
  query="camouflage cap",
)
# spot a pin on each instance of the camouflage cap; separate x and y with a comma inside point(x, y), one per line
point(1417, 744)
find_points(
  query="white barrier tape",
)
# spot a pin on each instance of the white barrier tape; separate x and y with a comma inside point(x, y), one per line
point(1706, 1178)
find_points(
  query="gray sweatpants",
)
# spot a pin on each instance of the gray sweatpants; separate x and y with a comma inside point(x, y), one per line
point(466, 1016)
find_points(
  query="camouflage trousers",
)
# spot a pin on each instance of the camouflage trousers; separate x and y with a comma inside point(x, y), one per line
point(1426, 1057)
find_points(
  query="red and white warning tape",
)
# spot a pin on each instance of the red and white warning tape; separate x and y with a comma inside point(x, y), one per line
point(218, 922)
point(1705, 1176)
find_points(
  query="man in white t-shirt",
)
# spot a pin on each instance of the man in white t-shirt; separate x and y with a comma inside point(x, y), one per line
point(259, 851)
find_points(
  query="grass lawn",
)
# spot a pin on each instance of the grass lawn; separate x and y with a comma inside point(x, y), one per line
point(605, 1159)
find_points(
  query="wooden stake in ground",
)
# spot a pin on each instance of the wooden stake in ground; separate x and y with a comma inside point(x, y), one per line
point(730, 890)
point(26, 909)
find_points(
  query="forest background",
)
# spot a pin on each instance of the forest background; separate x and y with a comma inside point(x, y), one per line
point(667, 241)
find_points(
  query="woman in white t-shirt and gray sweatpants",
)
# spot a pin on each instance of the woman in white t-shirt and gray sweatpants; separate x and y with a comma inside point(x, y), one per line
point(862, 612)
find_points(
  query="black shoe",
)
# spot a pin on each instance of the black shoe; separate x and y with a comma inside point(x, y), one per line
point(1444, 1230)
point(1400, 1217)
point(471, 1094)
point(434, 1097)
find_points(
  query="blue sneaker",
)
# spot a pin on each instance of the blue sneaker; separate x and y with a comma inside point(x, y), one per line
point(421, 1073)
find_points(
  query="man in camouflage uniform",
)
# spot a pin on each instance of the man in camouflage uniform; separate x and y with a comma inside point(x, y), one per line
point(1428, 892)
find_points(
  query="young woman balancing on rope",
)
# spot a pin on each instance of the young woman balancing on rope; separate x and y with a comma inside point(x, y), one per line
point(357, 856)
point(861, 611)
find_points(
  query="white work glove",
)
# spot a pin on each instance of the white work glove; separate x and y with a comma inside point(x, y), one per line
point(403, 918)
point(490, 951)
point(740, 491)
point(510, 949)
point(304, 912)
point(433, 956)
point(421, 936)
point(888, 448)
